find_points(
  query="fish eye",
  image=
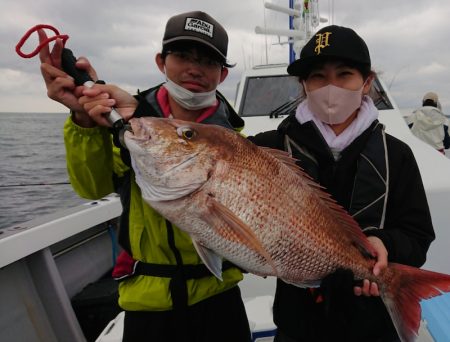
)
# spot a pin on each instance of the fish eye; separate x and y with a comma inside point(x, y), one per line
point(186, 132)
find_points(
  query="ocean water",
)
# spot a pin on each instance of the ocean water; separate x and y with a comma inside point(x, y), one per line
point(33, 176)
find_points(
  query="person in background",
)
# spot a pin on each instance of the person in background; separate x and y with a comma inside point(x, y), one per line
point(429, 124)
point(166, 291)
point(336, 137)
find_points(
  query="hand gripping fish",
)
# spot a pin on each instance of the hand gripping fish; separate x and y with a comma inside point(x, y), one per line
point(257, 209)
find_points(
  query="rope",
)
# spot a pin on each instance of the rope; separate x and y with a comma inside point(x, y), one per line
point(27, 35)
point(31, 184)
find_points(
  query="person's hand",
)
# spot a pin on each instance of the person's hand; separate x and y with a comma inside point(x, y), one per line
point(371, 288)
point(98, 101)
point(54, 57)
point(60, 86)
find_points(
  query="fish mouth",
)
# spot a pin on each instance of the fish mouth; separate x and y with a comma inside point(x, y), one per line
point(127, 128)
point(137, 131)
point(134, 133)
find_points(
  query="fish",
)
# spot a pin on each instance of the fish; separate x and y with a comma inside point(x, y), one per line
point(256, 208)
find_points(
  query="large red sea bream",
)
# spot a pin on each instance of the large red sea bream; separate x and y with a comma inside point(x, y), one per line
point(256, 208)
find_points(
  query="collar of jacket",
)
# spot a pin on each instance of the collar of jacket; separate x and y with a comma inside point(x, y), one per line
point(148, 106)
point(308, 135)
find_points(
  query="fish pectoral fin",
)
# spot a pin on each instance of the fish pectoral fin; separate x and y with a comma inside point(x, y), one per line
point(211, 260)
point(244, 234)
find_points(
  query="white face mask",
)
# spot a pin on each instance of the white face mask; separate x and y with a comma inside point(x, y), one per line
point(188, 99)
point(333, 105)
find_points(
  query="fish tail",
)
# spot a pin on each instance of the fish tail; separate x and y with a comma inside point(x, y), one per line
point(403, 293)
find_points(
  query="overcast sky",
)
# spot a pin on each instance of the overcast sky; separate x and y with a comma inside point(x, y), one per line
point(408, 41)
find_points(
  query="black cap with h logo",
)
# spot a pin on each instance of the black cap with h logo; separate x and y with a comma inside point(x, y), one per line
point(331, 41)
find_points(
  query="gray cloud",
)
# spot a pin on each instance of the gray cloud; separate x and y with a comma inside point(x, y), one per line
point(407, 40)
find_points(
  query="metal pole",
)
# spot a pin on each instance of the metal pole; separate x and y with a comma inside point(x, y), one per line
point(291, 26)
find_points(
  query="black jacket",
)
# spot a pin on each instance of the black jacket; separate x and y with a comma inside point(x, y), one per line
point(404, 217)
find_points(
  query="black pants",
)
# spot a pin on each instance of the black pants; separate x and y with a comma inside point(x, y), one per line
point(280, 337)
point(219, 318)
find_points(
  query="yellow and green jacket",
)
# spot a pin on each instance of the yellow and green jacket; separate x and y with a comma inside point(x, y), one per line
point(97, 168)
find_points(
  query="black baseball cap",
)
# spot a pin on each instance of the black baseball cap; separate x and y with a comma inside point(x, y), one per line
point(198, 27)
point(331, 42)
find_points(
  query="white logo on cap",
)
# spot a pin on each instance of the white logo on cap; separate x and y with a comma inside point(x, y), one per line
point(200, 26)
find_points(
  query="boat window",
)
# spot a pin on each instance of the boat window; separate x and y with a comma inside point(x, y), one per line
point(379, 96)
point(280, 95)
point(263, 95)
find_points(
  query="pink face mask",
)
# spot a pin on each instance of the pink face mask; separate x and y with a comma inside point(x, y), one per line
point(333, 105)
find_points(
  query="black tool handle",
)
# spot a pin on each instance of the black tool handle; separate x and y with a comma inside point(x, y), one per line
point(68, 61)
point(81, 77)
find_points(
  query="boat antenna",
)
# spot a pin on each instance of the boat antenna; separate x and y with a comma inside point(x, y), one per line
point(331, 9)
point(244, 57)
point(265, 36)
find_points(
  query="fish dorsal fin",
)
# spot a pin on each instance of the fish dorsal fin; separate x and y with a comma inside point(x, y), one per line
point(348, 222)
point(219, 213)
point(291, 163)
point(282, 156)
point(211, 260)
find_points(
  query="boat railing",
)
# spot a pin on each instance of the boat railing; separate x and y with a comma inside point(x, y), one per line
point(45, 262)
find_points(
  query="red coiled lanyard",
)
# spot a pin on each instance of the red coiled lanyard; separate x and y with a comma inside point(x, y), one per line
point(27, 35)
